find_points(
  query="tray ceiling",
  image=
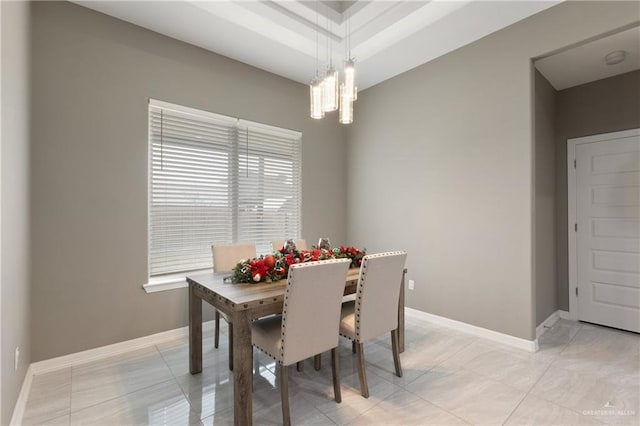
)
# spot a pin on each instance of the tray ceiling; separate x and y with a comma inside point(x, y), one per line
point(387, 37)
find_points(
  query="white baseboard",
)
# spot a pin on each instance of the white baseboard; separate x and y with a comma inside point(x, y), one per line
point(95, 354)
point(102, 352)
point(547, 324)
point(564, 315)
point(21, 403)
point(527, 345)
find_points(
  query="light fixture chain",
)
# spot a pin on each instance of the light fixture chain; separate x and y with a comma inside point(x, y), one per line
point(349, 38)
point(346, 34)
point(317, 38)
point(327, 33)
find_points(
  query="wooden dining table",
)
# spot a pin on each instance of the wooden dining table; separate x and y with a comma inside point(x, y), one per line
point(242, 303)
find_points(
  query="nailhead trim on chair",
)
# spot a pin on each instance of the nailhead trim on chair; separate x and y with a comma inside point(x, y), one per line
point(284, 313)
point(267, 353)
point(359, 298)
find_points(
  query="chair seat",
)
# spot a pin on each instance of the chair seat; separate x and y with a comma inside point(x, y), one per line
point(266, 335)
point(348, 320)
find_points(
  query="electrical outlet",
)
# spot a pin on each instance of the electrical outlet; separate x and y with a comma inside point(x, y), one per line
point(16, 359)
point(412, 284)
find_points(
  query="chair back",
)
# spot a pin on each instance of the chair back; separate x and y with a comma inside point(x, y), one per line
point(276, 245)
point(226, 256)
point(376, 309)
point(311, 311)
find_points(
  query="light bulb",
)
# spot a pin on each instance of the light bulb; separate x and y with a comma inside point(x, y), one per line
point(345, 115)
point(315, 97)
point(330, 91)
point(351, 90)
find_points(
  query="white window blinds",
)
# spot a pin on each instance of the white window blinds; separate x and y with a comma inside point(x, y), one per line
point(214, 180)
point(268, 186)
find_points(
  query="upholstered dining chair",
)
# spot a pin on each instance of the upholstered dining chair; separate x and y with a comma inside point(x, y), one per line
point(309, 322)
point(276, 245)
point(225, 258)
point(375, 310)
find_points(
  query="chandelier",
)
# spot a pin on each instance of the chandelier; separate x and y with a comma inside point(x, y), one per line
point(329, 93)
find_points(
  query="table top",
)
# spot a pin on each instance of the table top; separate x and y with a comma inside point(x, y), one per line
point(244, 296)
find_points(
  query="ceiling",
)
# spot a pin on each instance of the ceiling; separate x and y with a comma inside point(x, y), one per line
point(586, 63)
point(282, 37)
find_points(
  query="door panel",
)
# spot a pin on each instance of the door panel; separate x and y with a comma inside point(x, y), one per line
point(608, 237)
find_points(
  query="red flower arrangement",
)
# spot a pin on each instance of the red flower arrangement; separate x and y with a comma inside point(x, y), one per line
point(274, 267)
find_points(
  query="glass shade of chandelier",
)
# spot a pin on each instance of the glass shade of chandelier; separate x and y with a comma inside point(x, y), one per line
point(348, 93)
point(351, 90)
point(315, 96)
point(345, 116)
point(330, 90)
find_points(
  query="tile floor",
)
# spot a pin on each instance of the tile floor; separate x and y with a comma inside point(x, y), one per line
point(583, 374)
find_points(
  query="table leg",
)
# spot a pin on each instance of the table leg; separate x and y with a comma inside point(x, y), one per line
point(401, 315)
point(242, 369)
point(195, 332)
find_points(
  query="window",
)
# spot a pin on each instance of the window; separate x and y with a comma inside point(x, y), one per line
point(214, 180)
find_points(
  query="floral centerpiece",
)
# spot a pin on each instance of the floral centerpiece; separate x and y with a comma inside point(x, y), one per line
point(274, 267)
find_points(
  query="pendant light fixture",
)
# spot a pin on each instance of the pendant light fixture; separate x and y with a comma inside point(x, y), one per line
point(315, 87)
point(345, 115)
point(330, 94)
point(351, 89)
point(315, 94)
point(330, 84)
point(348, 89)
point(330, 90)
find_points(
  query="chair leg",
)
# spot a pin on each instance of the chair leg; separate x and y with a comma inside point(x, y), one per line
point(335, 372)
point(317, 362)
point(230, 346)
point(216, 338)
point(353, 346)
point(300, 366)
point(256, 364)
point(396, 352)
point(284, 395)
point(362, 375)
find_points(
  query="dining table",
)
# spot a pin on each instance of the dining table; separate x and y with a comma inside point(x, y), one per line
point(242, 303)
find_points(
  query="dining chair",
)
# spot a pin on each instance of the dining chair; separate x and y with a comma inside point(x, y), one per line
point(225, 258)
point(309, 322)
point(276, 245)
point(375, 310)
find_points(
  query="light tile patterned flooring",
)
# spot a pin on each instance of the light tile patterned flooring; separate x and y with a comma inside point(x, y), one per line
point(583, 374)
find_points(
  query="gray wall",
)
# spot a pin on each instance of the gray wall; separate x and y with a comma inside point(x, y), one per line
point(92, 77)
point(545, 199)
point(14, 260)
point(603, 106)
point(443, 156)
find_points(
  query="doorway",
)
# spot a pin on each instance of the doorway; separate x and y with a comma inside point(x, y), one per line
point(604, 229)
point(579, 91)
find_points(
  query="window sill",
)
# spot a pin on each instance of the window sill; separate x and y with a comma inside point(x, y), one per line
point(168, 282)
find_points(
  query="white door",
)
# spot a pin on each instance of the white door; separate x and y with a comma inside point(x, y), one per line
point(608, 231)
